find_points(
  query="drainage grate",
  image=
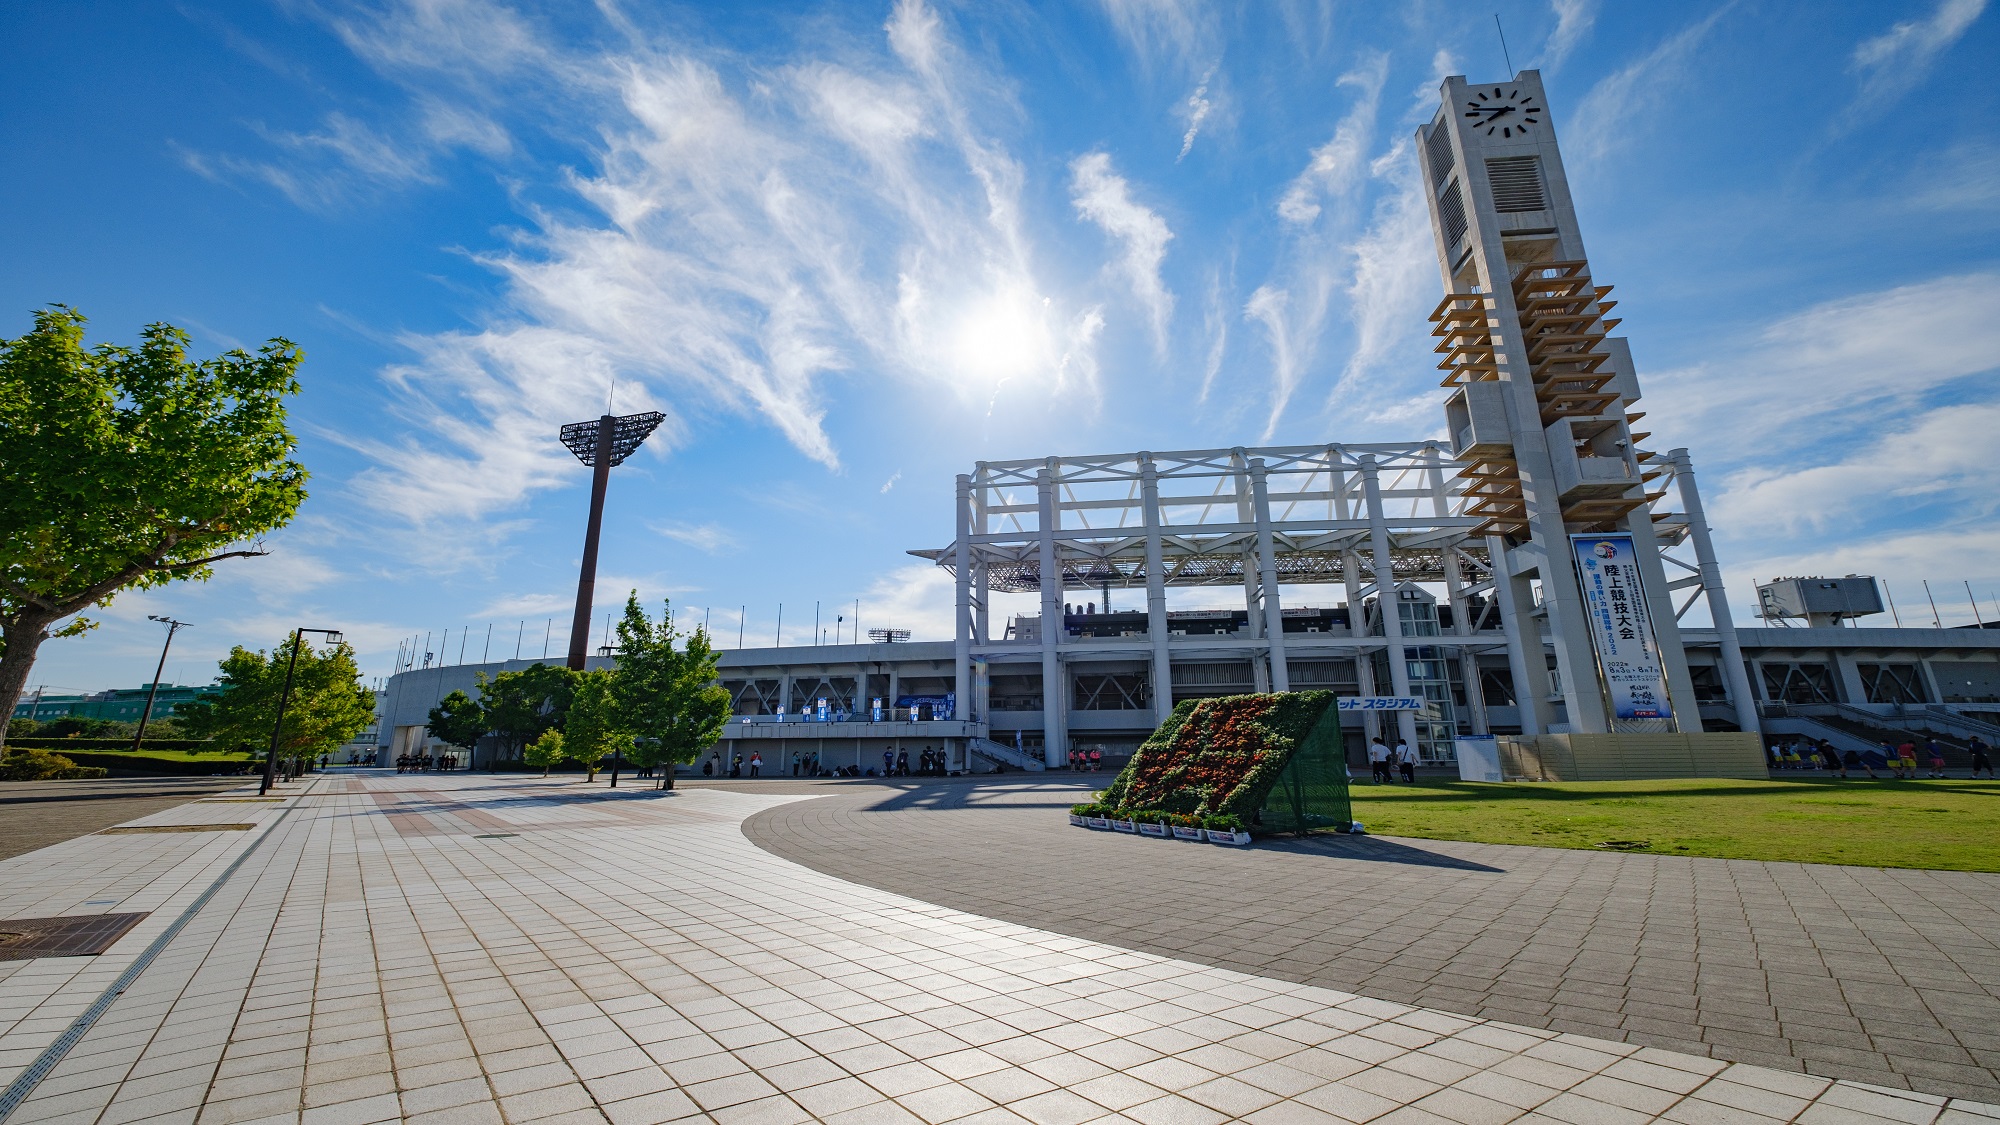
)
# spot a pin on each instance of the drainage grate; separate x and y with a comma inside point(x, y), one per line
point(82, 935)
point(176, 828)
point(242, 800)
point(495, 836)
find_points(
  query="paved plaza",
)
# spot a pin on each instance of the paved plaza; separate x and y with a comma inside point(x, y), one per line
point(470, 949)
point(1886, 976)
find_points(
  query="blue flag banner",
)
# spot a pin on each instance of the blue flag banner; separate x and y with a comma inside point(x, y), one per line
point(1620, 628)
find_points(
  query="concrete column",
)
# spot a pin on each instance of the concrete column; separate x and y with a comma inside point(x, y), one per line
point(1531, 681)
point(1055, 696)
point(1156, 592)
point(962, 633)
point(1454, 584)
point(1357, 626)
point(1846, 670)
point(1267, 577)
point(1735, 674)
point(982, 628)
point(1386, 594)
point(785, 693)
point(895, 689)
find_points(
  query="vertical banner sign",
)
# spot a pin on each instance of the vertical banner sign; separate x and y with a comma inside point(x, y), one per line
point(1620, 628)
point(878, 708)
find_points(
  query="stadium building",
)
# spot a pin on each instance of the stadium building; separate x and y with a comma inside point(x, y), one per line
point(1527, 576)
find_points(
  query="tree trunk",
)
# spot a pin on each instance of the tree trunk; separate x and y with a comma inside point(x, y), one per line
point(24, 635)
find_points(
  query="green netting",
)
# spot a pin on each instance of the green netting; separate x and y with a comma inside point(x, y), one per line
point(1312, 789)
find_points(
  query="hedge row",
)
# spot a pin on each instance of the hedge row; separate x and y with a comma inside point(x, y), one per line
point(147, 764)
point(114, 745)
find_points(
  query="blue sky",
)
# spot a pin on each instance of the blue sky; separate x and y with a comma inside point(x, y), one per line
point(851, 248)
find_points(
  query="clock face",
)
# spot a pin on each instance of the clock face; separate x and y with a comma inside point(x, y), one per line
point(1502, 112)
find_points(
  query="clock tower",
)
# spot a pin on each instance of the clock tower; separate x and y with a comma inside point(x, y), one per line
point(1542, 407)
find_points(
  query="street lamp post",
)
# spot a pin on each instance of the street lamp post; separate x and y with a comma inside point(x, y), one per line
point(333, 637)
point(154, 688)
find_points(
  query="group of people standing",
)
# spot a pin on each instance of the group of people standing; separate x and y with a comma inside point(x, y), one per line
point(1383, 758)
point(895, 763)
point(1899, 760)
point(1086, 761)
point(426, 763)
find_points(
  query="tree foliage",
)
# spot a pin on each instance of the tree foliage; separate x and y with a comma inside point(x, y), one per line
point(667, 697)
point(458, 720)
point(327, 705)
point(594, 726)
point(546, 751)
point(127, 468)
point(519, 706)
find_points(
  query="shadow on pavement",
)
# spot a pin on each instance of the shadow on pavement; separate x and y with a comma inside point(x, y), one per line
point(1371, 849)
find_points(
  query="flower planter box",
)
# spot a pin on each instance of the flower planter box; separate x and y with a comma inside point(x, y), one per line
point(1076, 820)
point(1152, 829)
point(1124, 826)
point(1187, 833)
point(1232, 839)
point(1096, 822)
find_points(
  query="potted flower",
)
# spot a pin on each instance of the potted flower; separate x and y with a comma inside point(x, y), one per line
point(1078, 812)
point(1094, 815)
point(1152, 823)
point(1123, 822)
point(1186, 827)
point(1225, 828)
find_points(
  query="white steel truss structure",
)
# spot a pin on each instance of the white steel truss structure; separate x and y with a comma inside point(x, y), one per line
point(1363, 517)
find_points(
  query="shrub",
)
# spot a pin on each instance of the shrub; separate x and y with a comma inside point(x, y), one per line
point(1223, 822)
point(40, 765)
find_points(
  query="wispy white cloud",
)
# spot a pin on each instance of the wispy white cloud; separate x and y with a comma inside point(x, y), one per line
point(1195, 111)
point(1867, 357)
point(754, 236)
point(710, 537)
point(1393, 284)
point(1339, 166)
point(1574, 20)
point(1164, 32)
point(1894, 62)
point(1611, 113)
point(891, 482)
point(1105, 198)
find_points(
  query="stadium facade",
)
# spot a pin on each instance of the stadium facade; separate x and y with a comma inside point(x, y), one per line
point(1527, 575)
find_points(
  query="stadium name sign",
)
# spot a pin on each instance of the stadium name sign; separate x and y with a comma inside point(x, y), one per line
point(1382, 703)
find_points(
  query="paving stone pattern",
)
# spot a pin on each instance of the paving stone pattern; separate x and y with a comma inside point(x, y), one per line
point(1885, 976)
point(386, 955)
point(35, 814)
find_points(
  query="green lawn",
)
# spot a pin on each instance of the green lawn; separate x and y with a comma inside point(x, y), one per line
point(168, 755)
point(1944, 825)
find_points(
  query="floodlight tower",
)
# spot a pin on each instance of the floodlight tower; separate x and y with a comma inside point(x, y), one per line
point(1541, 412)
point(601, 444)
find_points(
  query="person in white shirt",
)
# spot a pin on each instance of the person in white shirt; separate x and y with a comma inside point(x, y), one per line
point(1406, 761)
point(1378, 760)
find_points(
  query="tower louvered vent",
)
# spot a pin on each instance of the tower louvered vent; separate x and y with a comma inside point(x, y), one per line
point(1451, 209)
point(1517, 184)
point(1438, 149)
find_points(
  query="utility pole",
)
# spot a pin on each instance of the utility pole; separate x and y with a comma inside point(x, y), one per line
point(153, 689)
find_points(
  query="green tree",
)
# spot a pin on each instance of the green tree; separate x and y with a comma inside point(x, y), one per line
point(519, 706)
point(458, 720)
point(668, 697)
point(327, 705)
point(593, 727)
point(128, 468)
point(546, 751)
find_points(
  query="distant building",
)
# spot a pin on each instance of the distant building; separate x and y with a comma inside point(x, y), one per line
point(117, 704)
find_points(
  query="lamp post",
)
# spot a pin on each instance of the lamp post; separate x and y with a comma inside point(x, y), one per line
point(333, 637)
point(154, 688)
point(601, 444)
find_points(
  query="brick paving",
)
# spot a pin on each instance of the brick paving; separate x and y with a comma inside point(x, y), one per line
point(35, 814)
point(469, 949)
point(1890, 977)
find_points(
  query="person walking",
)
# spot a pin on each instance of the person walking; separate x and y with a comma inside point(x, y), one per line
point(1880, 756)
point(888, 762)
point(1406, 761)
point(1936, 749)
point(1980, 759)
point(1378, 760)
point(1906, 760)
point(1831, 757)
point(756, 764)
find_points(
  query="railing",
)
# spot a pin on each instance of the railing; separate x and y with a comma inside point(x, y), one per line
point(1001, 752)
point(1890, 717)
